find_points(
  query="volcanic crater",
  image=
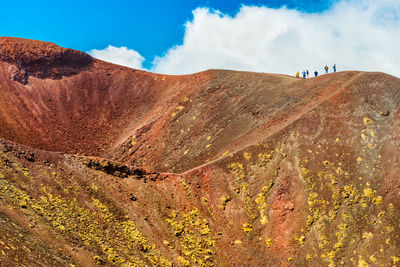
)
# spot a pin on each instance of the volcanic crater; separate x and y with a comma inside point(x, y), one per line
point(101, 164)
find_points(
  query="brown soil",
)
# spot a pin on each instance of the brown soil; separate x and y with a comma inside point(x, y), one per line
point(102, 164)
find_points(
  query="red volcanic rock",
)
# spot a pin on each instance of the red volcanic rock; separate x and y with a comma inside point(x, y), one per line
point(41, 59)
point(218, 168)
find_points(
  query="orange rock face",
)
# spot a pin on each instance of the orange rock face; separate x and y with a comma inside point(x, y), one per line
point(102, 164)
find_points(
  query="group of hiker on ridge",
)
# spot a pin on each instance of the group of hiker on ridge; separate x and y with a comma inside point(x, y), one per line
point(305, 73)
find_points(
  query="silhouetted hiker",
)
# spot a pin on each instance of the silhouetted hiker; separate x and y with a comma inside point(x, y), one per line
point(304, 74)
point(326, 68)
point(315, 73)
point(297, 74)
point(334, 67)
point(307, 74)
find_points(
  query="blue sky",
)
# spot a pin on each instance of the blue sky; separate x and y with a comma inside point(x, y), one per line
point(151, 27)
point(179, 37)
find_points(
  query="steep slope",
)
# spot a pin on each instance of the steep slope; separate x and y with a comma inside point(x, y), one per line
point(84, 110)
point(218, 168)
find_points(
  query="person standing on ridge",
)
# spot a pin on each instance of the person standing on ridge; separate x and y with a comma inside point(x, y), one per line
point(307, 74)
point(315, 73)
point(297, 74)
point(334, 67)
point(304, 74)
point(326, 69)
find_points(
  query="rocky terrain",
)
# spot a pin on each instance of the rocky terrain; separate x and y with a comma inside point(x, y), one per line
point(106, 165)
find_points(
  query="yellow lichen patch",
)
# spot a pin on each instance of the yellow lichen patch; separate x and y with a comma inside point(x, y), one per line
point(349, 191)
point(182, 130)
point(381, 214)
point(224, 200)
point(309, 257)
point(395, 260)
point(238, 170)
point(373, 134)
point(173, 114)
point(94, 187)
point(23, 204)
point(242, 187)
point(25, 172)
point(264, 158)
point(237, 242)
point(389, 228)
point(364, 136)
point(268, 242)
point(301, 239)
point(372, 258)
point(247, 155)
point(368, 192)
point(194, 236)
point(247, 228)
point(368, 121)
point(377, 200)
point(204, 201)
point(311, 198)
point(180, 108)
point(261, 205)
point(267, 187)
point(187, 189)
point(367, 235)
point(208, 145)
point(260, 201)
point(325, 163)
point(263, 218)
point(362, 263)
point(225, 153)
point(304, 171)
point(186, 151)
point(98, 260)
point(183, 261)
point(133, 140)
point(359, 159)
point(208, 138)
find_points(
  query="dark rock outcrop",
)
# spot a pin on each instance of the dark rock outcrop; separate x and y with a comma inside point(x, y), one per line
point(40, 59)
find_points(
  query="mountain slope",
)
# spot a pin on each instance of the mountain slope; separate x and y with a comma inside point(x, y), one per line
point(214, 168)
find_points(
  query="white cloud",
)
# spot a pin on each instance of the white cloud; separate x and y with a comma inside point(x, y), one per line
point(119, 55)
point(354, 34)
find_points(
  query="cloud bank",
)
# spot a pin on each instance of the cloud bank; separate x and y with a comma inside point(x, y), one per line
point(354, 34)
point(119, 55)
